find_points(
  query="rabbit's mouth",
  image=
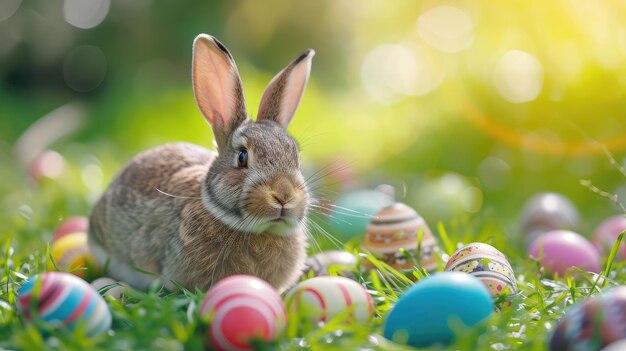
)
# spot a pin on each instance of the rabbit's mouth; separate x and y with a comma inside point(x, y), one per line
point(282, 226)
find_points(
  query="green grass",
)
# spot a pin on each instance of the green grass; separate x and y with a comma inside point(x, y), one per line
point(161, 320)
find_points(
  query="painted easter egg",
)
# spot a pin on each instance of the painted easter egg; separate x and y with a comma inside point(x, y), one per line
point(71, 254)
point(330, 261)
point(240, 309)
point(545, 212)
point(560, 250)
point(352, 212)
point(108, 287)
point(486, 263)
point(593, 323)
point(63, 300)
point(324, 299)
point(396, 227)
point(619, 345)
point(71, 225)
point(422, 315)
point(606, 234)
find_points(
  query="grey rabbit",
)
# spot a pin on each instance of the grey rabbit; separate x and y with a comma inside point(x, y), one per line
point(190, 215)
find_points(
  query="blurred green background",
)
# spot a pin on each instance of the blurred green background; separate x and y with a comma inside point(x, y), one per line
point(466, 108)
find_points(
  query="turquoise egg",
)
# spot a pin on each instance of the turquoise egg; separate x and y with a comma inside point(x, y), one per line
point(62, 300)
point(353, 211)
point(424, 314)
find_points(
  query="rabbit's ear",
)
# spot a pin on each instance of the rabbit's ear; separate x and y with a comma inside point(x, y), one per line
point(217, 87)
point(283, 94)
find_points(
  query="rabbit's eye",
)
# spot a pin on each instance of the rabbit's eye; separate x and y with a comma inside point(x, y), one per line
point(242, 159)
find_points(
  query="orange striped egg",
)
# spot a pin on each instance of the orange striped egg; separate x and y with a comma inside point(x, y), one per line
point(323, 299)
point(241, 309)
point(486, 263)
point(396, 227)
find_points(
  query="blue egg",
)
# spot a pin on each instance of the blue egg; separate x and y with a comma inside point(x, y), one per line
point(354, 210)
point(424, 314)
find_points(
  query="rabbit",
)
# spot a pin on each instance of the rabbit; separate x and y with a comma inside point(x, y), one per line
point(193, 216)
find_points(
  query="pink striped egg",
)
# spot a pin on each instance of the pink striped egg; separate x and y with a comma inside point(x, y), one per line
point(240, 309)
point(323, 299)
point(62, 299)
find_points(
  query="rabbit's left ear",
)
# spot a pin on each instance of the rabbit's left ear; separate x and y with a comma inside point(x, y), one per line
point(283, 94)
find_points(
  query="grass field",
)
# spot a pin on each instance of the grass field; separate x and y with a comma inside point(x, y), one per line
point(161, 320)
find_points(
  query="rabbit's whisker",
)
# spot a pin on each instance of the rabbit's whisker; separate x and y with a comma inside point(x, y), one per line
point(176, 196)
point(344, 211)
point(336, 242)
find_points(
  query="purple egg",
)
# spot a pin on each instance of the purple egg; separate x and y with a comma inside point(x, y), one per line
point(559, 250)
point(607, 232)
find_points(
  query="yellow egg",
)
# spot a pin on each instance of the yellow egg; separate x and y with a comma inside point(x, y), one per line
point(72, 255)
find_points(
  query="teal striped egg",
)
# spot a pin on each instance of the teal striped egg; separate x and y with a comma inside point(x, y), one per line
point(62, 300)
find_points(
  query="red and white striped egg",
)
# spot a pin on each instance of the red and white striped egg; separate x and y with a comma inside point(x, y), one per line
point(242, 308)
point(62, 299)
point(322, 299)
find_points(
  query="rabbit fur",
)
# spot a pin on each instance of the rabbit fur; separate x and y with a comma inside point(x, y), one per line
point(192, 216)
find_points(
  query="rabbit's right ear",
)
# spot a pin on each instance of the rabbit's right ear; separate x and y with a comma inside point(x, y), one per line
point(217, 87)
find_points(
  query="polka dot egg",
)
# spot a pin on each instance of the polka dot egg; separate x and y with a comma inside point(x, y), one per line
point(323, 299)
point(486, 263)
point(241, 309)
point(397, 227)
point(64, 300)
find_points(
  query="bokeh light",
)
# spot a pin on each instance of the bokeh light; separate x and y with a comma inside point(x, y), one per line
point(392, 71)
point(85, 14)
point(84, 68)
point(446, 28)
point(8, 8)
point(518, 76)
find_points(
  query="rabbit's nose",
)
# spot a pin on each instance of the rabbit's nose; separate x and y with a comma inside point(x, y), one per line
point(279, 199)
point(282, 191)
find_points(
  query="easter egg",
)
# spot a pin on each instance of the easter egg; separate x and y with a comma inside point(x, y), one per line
point(559, 250)
point(240, 309)
point(547, 211)
point(336, 261)
point(322, 299)
point(64, 300)
point(606, 234)
point(423, 314)
point(486, 263)
point(71, 254)
point(396, 227)
point(352, 212)
point(71, 225)
point(108, 286)
point(619, 345)
point(593, 323)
